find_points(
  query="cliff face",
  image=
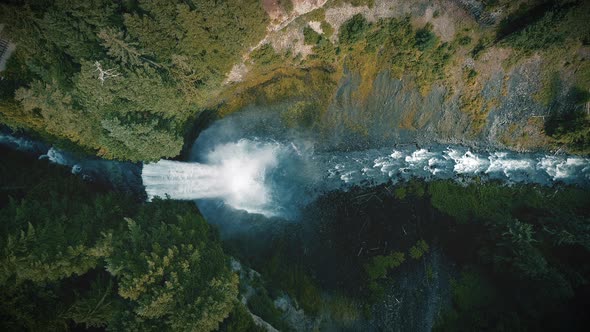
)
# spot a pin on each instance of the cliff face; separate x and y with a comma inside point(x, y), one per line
point(463, 72)
point(396, 112)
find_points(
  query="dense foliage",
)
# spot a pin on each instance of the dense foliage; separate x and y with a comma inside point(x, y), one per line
point(75, 256)
point(394, 43)
point(520, 254)
point(527, 266)
point(573, 127)
point(160, 62)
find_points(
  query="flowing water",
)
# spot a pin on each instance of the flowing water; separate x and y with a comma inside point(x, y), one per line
point(260, 177)
point(122, 176)
point(274, 178)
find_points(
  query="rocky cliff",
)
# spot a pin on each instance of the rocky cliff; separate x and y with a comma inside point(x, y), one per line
point(486, 73)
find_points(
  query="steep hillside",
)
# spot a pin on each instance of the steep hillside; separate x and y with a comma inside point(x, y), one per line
point(374, 72)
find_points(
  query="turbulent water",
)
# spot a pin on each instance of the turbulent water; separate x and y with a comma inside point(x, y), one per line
point(456, 162)
point(260, 177)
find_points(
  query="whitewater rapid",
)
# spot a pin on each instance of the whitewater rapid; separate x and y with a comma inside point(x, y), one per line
point(257, 177)
point(455, 162)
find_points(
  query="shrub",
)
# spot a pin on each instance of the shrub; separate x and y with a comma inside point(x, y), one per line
point(262, 305)
point(240, 320)
point(380, 265)
point(265, 55)
point(425, 38)
point(419, 249)
point(353, 30)
point(310, 36)
point(465, 40)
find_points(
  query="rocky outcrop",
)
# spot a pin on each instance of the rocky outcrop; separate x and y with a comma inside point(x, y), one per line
point(396, 112)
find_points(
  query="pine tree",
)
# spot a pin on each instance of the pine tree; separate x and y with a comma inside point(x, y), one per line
point(171, 268)
point(120, 48)
point(140, 141)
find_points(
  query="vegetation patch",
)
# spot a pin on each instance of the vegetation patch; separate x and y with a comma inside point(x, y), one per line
point(571, 128)
point(78, 256)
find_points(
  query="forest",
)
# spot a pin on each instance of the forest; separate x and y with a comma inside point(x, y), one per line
point(129, 73)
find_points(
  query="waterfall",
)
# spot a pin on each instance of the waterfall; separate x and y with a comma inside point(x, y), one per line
point(233, 172)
